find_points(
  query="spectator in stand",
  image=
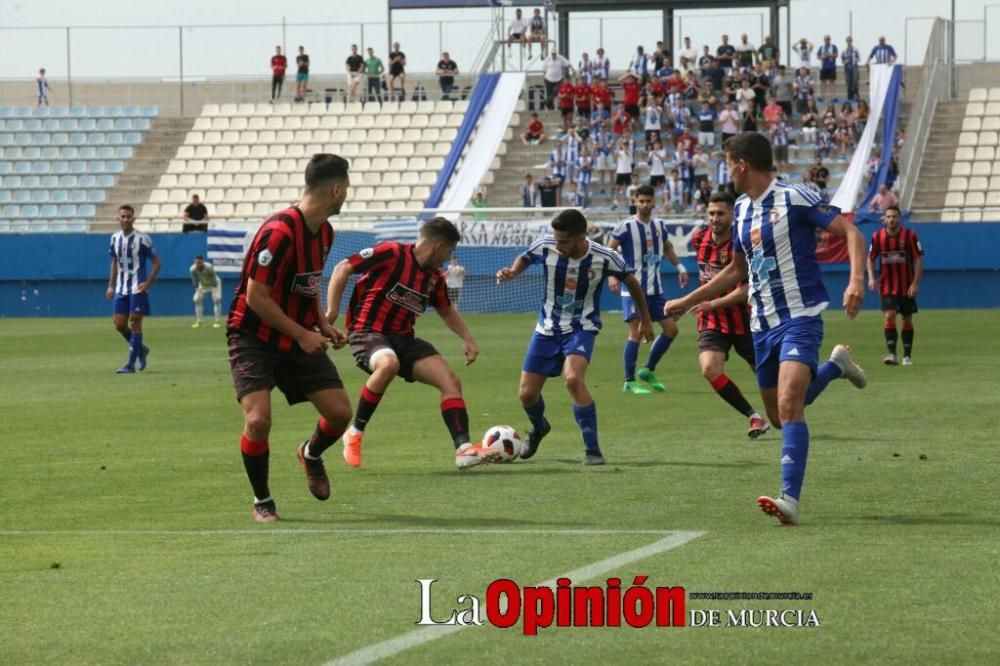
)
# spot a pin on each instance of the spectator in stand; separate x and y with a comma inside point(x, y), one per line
point(454, 278)
point(652, 114)
point(851, 59)
point(702, 195)
point(640, 65)
point(660, 58)
point(656, 159)
point(301, 74)
point(827, 54)
point(804, 49)
point(705, 60)
point(745, 96)
point(803, 88)
point(630, 193)
point(549, 193)
point(534, 131)
point(745, 52)
point(585, 173)
point(882, 54)
point(768, 54)
point(567, 95)
point(725, 53)
point(631, 91)
point(824, 143)
point(884, 200)
point(602, 66)
point(604, 162)
point(861, 117)
point(707, 96)
point(43, 88)
point(778, 133)
point(713, 75)
point(278, 65)
point(844, 136)
point(397, 73)
point(688, 55)
point(556, 168)
point(676, 192)
point(574, 196)
point(810, 120)
point(700, 165)
point(730, 120)
point(479, 202)
point(374, 68)
point(603, 95)
point(529, 193)
point(447, 70)
point(621, 121)
point(820, 175)
point(584, 97)
point(537, 33)
point(195, 211)
point(706, 125)
point(585, 69)
point(355, 70)
point(623, 170)
point(517, 31)
point(760, 84)
point(772, 113)
point(750, 116)
point(783, 90)
point(554, 70)
point(657, 91)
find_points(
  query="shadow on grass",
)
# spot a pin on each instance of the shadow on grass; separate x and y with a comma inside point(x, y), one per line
point(939, 520)
point(466, 522)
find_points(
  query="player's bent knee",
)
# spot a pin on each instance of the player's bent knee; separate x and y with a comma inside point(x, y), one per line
point(575, 383)
point(670, 328)
point(258, 425)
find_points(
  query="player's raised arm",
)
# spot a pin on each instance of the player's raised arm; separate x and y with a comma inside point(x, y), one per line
point(639, 298)
point(338, 283)
point(854, 294)
point(735, 272)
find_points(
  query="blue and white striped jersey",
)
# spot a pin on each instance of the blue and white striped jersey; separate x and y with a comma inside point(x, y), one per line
point(642, 246)
point(777, 233)
point(131, 253)
point(573, 286)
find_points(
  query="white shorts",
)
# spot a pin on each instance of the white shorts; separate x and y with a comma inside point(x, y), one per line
point(354, 77)
point(706, 138)
point(200, 292)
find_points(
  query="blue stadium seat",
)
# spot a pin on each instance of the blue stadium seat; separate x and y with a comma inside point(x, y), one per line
point(141, 124)
point(43, 112)
point(6, 168)
point(79, 111)
point(69, 125)
point(78, 139)
point(97, 166)
point(67, 210)
point(31, 153)
point(6, 196)
point(133, 138)
point(21, 226)
point(76, 227)
point(106, 181)
point(87, 153)
point(48, 211)
point(116, 166)
point(12, 152)
point(22, 139)
point(78, 196)
point(69, 180)
point(22, 168)
point(30, 211)
point(60, 196)
point(133, 111)
point(78, 167)
point(123, 125)
point(24, 112)
point(96, 196)
point(4, 226)
point(15, 125)
point(115, 139)
point(10, 210)
point(22, 196)
point(86, 210)
point(88, 124)
point(39, 196)
point(58, 226)
point(31, 182)
point(6, 112)
point(124, 152)
point(41, 168)
point(60, 167)
point(114, 111)
point(50, 153)
point(106, 153)
point(7, 139)
point(96, 112)
point(3, 124)
point(150, 111)
point(97, 139)
point(60, 111)
point(69, 152)
point(11, 182)
point(105, 124)
point(87, 180)
point(41, 139)
point(51, 125)
point(33, 125)
point(49, 182)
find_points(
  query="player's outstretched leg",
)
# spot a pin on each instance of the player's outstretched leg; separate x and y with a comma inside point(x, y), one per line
point(841, 365)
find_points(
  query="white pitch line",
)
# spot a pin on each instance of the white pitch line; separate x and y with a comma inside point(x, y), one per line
point(307, 531)
point(394, 646)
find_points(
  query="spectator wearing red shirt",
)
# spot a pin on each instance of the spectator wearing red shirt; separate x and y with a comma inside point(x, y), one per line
point(657, 90)
point(584, 99)
point(567, 93)
point(631, 91)
point(687, 142)
point(602, 93)
point(534, 131)
point(278, 65)
point(621, 119)
point(675, 83)
point(772, 112)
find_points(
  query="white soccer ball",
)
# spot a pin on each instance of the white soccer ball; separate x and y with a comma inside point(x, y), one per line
point(504, 439)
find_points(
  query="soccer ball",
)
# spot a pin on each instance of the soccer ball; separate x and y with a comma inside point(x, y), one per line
point(504, 439)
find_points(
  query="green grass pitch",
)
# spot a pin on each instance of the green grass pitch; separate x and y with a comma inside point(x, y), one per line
point(125, 535)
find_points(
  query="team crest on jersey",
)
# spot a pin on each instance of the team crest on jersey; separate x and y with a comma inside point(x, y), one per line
point(265, 257)
point(571, 284)
point(755, 237)
point(724, 255)
point(775, 216)
point(307, 284)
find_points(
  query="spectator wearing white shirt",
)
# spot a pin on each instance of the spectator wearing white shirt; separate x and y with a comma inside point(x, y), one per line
point(554, 70)
point(602, 66)
point(517, 31)
point(745, 52)
point(688, 55)
point(454, 279)
point(585, 69)
point(657, 174)
point(804, 48)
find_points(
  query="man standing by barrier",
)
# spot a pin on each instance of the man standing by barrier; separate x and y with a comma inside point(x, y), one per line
point(205, 282)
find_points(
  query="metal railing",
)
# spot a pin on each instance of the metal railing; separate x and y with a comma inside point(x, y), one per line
point(935, 88)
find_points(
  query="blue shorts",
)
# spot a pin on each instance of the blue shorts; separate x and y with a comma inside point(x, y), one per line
point(654, 303)
point(138, 303)
point(546, 353)
point(796, 340)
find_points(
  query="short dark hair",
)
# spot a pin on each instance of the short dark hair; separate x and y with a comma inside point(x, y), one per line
point(645, 191)
point(126, 207)
point(571, 221)
point(723, 198)
point(440, 229)
point(323, 168)
point(198, 256)
point(895, 208)
point(752, 147)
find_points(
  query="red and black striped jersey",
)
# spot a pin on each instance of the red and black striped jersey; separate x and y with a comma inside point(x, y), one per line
point(289, 259)
point(392, 290)
point(896, 255)
point(712, 258)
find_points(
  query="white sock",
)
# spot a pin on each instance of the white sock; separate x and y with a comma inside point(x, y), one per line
point(261, 501)
point(306, 454)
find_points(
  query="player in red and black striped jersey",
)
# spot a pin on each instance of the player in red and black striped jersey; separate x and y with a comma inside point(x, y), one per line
point(723, 322)
point(901, 263)
point(397, 283)
point(277, 336)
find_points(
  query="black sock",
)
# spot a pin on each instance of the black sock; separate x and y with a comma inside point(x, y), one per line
point(731, 393)
point(456, 417)
point(890, 338)
point(255, 461)
point(907, 340)
point(366, 407)
point(323, 438)
point(127, 334)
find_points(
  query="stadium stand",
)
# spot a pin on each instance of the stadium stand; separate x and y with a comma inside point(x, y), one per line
point(58, 164)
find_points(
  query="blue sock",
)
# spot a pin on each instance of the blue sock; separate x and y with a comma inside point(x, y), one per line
point(660, 346)
point(134, 349)
point(826, 374)
point(631, 358)
point(586, 418)
point(794, 454)
point(536, 414)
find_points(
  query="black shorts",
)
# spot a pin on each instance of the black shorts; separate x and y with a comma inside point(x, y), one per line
point(566, 111)
point(780, 153)
point(453, 294)
point(656, 181)
point(583, 112)
point(258, 366)
point(408, 348)
point(828, 74)
point(623, 178)
point(632, 110)
point(515, 35)
point(717, 341)
point(904, 305)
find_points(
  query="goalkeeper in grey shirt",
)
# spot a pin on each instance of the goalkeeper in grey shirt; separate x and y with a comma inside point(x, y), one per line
point(205, 281)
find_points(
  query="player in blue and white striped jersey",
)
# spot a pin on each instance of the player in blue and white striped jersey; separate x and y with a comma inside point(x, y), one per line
point(774, 248)
point(642, 240)
point(128, 285)
point(575, 269)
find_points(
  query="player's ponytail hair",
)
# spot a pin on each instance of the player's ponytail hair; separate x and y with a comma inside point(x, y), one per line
point(571, 221)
